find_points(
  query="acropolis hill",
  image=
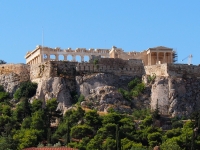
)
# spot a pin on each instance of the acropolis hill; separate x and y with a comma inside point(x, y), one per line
point(175, 88)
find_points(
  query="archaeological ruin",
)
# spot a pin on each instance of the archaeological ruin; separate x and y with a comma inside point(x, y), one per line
point(151, 56)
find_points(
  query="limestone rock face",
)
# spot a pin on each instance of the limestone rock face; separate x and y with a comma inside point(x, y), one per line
point(10, 82)
point(101, 91)
point(55, 87)
point(104, 97)
point(176, 96)
point(89, 82)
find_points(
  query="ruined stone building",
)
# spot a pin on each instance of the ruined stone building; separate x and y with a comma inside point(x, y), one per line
point(151, 56)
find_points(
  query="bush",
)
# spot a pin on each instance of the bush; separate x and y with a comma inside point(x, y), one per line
point(26, 89)
point(151, 78)
point(1, 88)
point(81, 98)
point(133, 83)
point(177, 124)
point(3, 96)
point(126, 94)
point(141, 114)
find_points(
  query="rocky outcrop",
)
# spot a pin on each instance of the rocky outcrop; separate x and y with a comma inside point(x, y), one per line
point(101, 91)
point(176, 96)
point(11, 75)
point(88, 82)
point(56, 87)
point(104, 97)
point(10, 82)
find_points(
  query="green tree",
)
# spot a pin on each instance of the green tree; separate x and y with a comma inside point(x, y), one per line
point(38, 120)
point(36, 105)
point(26, 89)
point(26, 138)
point(22, 110)
point(7, 143)
point(6, 110)
point(26, 124)
point(170, 144)
point(4, 96)
point(80, 131)
point(111, 118)
point(95, 143)
point(92, 119)
point(109, 144)
point(154, 139)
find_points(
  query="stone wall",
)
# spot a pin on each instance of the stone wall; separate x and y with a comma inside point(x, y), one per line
point(158, 70)
point(11, 75)
point(22, 70)
point(181, 70)
point(71, 69)
point(177, 70)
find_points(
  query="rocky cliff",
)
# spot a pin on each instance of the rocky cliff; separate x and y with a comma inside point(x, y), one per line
point(11, 75)
point(176, 96)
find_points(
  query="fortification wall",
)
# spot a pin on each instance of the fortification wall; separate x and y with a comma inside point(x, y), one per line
point(180, 70)
point(177, 70)
point(22, 70)
point(53, 69)
point(71, 69)
point(40, 70)
point(158, 70)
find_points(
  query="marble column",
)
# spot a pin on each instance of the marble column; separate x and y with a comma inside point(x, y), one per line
point(65, 57)
point(82, 58)
point(164, 57)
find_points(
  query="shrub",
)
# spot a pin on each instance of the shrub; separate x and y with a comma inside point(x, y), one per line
point(3, 96)
point(177, 124)
point(81, 98)
point(1, 88)
point(133, 83)
point(26, 89)
point(151, 78)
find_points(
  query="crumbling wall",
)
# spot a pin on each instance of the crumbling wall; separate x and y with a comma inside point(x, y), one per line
point(11, 75)
point(71, 69)
point(21, 70)
point(40, 70)
point(181, 70)
point(158, 70)
point(176, 70)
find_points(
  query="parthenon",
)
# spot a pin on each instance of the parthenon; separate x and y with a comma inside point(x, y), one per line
point(151, 56)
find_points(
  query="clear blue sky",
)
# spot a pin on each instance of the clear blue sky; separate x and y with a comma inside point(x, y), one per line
point(128, 24)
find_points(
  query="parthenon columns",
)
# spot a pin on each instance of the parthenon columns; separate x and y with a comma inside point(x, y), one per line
point(56, 57)
point(82, 58)
point(65, 57)
point(73, 58)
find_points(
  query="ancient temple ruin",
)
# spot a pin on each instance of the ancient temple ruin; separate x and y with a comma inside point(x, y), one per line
point(151, 56)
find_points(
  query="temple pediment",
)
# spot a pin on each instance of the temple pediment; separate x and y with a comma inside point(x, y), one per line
point(160, 48)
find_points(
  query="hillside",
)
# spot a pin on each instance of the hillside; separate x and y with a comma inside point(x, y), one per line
point(47, 104)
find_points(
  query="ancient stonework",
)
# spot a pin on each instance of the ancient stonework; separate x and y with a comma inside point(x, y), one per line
point(174, 88)
point(11, 75)
point(151, 56)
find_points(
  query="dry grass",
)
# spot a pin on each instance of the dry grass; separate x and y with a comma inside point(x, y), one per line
point(101, 113)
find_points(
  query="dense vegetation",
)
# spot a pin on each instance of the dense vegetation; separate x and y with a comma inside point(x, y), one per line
point(28, 124)
point(135, 87)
